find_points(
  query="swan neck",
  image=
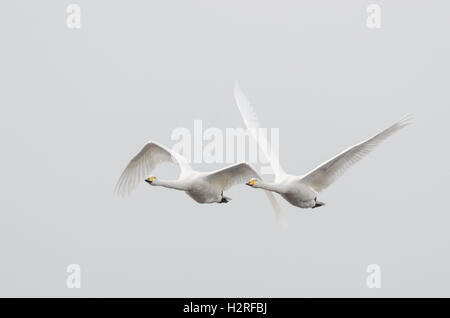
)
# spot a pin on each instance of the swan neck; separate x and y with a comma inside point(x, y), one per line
point(172, 184)
point(267, 186)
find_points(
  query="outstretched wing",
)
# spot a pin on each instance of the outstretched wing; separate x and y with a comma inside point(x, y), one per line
point(328, 172)
point(252, 123)
point(240, 173)
point(144, 162)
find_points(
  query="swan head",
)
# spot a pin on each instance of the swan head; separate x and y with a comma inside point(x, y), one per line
point(253, 183)
point(150, 180)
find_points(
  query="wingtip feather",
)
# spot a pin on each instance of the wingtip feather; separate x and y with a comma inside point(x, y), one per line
point(406, 120)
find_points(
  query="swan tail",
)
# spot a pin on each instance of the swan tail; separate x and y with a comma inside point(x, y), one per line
point(225, 199)
point(318, 204)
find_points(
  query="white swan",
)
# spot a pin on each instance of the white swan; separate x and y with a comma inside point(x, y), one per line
point(203, 187)
point(301, 191)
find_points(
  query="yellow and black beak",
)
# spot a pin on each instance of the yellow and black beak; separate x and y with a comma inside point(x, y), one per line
point(149, 180)
point(251, 183)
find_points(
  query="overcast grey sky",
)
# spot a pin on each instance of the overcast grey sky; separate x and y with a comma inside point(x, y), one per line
point(78, 104)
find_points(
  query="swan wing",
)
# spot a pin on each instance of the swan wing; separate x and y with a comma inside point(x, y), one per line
point(325, 174)
point(251, 121)
point(143, 164)
point(239, 173)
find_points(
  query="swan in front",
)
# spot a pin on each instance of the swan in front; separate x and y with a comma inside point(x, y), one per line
point(302, 191)
point(203, 187)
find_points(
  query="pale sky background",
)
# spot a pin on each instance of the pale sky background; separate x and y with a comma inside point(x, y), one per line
point(76, 105)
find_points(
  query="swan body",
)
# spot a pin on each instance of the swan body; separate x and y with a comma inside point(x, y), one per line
point(302, 191)
point(297, 193)
point(292, 189)
point(202, 187)
point(197, 186)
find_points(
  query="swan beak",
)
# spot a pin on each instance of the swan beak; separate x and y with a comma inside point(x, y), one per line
point(251, 183)
point(149, 180)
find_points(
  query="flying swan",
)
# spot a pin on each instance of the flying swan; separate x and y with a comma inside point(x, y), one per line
point(203, 187)
point(301, 191)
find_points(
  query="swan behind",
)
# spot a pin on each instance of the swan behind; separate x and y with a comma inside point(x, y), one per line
point(302, 191)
